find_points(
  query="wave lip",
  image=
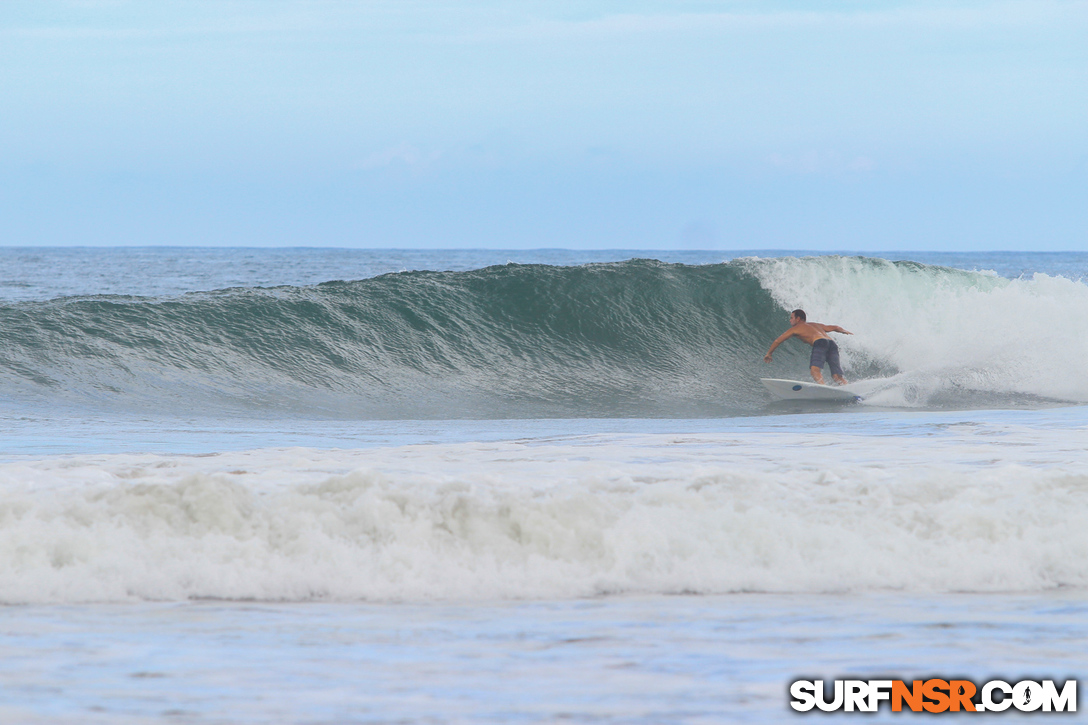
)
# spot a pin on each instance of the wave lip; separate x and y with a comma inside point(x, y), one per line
point(556, 523)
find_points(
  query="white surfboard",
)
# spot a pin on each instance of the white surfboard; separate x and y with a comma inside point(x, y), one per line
point(798, 390)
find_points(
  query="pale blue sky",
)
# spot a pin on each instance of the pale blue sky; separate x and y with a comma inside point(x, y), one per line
point(789, 125)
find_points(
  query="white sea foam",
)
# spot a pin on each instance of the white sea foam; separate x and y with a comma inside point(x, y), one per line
point(973, 509)
point(944, 330)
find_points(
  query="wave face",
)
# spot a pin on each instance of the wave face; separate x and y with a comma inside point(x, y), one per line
point(635, 338)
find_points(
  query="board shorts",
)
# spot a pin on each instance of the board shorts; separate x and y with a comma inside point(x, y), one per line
point(826, 350)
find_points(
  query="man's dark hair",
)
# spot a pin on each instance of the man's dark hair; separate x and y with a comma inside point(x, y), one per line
point(800, 314)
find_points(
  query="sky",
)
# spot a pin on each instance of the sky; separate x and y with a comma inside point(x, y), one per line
point(849, 125)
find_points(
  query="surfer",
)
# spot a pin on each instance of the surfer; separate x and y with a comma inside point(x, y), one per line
point(823, 347)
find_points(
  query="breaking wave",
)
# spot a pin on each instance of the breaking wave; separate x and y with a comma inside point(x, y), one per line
point(636, 338)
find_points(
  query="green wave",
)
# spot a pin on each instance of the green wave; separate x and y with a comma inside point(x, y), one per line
point(635, 338)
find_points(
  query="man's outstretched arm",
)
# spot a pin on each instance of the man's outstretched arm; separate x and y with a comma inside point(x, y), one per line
point(781, 339)
point(835, 328)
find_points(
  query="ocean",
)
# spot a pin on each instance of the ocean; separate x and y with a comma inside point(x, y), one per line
point(480, 486)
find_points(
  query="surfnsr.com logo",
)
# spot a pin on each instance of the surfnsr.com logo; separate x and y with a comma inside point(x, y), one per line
point(935, 696)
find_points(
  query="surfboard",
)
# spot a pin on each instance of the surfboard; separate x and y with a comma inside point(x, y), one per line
point(798, 390)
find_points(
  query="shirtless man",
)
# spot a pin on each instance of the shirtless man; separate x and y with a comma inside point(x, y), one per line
point(823, 347)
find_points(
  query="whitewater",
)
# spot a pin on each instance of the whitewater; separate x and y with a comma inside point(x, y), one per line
point(575, 516)
point(493, 486)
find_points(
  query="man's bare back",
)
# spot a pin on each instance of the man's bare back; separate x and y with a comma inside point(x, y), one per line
point(810, 332)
